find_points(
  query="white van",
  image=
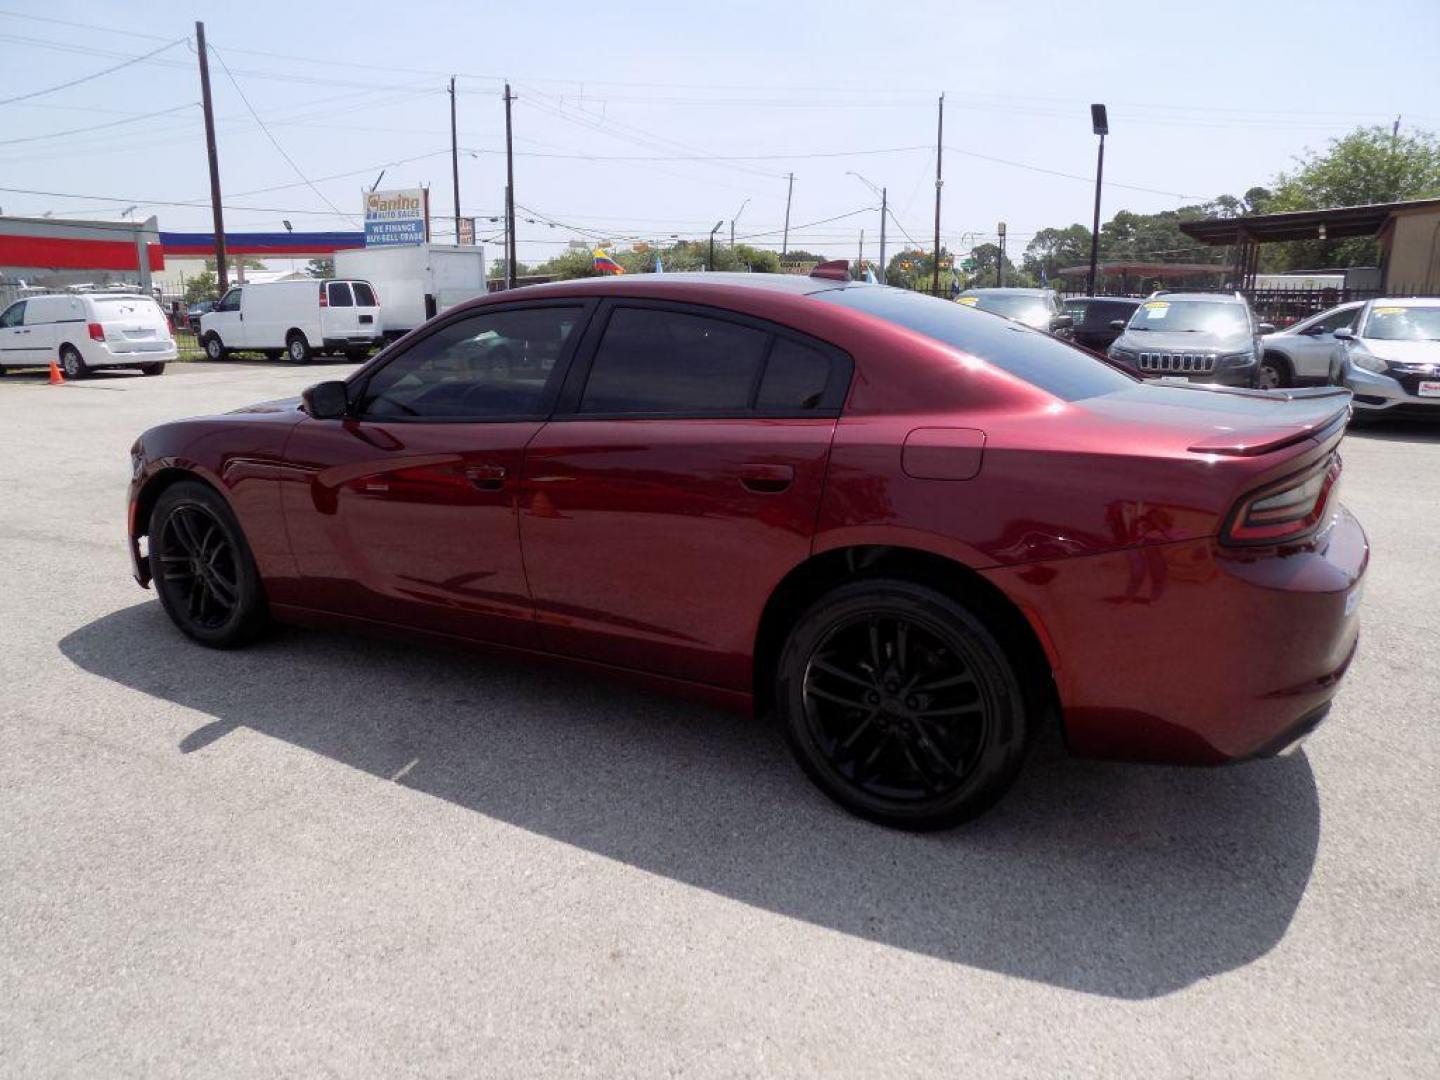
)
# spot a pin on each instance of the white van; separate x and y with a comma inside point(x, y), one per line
point(86, 331)
point(418, 281)
point(298, 318)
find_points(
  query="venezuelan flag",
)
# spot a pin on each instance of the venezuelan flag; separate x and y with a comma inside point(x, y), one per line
point(606, 265)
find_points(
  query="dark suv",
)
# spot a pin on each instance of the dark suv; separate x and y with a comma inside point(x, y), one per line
point(1095, 316)
point(1198, 336)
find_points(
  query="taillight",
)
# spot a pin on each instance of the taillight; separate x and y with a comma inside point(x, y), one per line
point(324, 300)
point(1286, 510)
point(97, 332)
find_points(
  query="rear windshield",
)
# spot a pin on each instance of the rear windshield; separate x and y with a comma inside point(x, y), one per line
point(1039, 359)
point(1028, 309)
point(1099, 312)
point(364, 295)
point(116, 307)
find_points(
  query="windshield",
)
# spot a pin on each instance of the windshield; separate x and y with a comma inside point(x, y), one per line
point(1031, 310)
point(1039, 359)
point(1403, 323)
point(1191, 317)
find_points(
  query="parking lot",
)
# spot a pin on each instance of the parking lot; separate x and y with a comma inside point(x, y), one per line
point(327, 855)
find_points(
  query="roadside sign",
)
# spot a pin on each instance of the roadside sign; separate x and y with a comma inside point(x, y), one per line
point(394, 218)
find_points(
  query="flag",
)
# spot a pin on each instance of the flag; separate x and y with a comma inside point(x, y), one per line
point(606, 265)
point(659, 266)
point(870, 275)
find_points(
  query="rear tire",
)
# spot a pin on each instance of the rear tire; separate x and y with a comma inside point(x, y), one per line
point(298, 348)
point(152, 369)
point(202, 567)
point(357, 356)
point(215, 348)
point(72, 363)
point(901, 705)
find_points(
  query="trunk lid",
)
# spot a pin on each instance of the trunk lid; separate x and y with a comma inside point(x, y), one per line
point(1206, 419)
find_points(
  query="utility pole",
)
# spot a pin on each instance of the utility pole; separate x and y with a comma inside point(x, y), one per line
point(785, 241)
point(884, 209)
point(1100, 124)
point(509, 196)
point(222, 272)
point(1000, 262)
point(939, 183)
point(454, 159)
point(860, 259)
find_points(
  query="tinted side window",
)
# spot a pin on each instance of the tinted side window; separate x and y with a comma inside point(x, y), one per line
point(670, 362)
point(230, 301)
point(1339, 319)
point(795, 378)
point(338, 293)
point(13, 315)
point(364, 295)
point(489, 365)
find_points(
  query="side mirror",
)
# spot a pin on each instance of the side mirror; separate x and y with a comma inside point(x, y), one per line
point(1265, 328)
point(1062, 322)
point(1344, 334)
point(1117, 324)
point(327, 400)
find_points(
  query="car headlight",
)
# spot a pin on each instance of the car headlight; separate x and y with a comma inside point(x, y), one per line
point(1238, 359)
point(1369, 361)
point(1117, 353)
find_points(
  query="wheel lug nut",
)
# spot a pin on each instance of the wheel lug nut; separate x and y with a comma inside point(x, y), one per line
point(912, 702)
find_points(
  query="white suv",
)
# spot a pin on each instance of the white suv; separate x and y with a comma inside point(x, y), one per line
point(86, 331)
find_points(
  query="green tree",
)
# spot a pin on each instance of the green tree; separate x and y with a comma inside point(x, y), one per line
point(202, 286)
point(985, 258)
point(1052, 249)
point(320, 268)
point(911, 268)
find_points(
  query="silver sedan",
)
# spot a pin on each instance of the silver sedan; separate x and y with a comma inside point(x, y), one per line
point(1300, 355)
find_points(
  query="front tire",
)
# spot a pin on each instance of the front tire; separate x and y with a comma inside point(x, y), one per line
point(152, 369)
point(901, 705)
point(72, 363)
point(202, 567)
point(215, 348)
point(298, 348)
point(1274, 373)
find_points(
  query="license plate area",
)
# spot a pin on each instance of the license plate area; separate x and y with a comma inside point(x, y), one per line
point(1428, 388)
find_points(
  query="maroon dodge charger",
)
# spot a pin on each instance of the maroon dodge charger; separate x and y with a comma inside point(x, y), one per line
point(913, 530)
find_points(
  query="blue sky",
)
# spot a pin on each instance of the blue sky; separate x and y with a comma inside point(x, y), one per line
point(1203, 99)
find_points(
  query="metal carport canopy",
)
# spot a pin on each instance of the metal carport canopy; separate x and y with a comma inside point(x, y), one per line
point(1339, 222)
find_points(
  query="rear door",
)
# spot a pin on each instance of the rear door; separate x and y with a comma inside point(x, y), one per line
point(339, 317)
point(367, 308)
point(132, 324)
point(1315, 342)
point(678, 481)
point(405, 513)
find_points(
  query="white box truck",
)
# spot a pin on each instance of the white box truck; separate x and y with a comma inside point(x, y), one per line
point(418, 282)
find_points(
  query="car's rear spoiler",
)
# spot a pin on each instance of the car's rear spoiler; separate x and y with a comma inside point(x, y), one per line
point(1319, 412)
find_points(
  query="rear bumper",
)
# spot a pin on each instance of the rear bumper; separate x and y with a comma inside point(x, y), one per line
point(101, 354)
point(1183, 653)
point(353, 341)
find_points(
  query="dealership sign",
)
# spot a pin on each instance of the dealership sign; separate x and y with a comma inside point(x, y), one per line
point(394, 218)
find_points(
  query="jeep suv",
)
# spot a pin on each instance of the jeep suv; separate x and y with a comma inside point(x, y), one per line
point(1197, 336)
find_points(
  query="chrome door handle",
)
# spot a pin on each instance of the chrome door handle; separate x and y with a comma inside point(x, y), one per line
point(487, 477)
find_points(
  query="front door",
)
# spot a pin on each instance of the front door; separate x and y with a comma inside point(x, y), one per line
point(226, 320)
point(405, 512)
point(1315, 343)
point(676, 485)
point(16, 347)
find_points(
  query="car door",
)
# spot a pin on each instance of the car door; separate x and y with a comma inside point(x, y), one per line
point(677, 483)
point(338, 318)
point(1315, 342)
point(227, 320)
point(405, 511)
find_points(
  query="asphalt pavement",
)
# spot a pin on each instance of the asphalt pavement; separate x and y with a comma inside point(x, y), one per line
point(330, 856)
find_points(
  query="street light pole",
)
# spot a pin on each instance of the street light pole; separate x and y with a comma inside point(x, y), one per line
point(1101, 125)
point(736, 218)
point(710, 263)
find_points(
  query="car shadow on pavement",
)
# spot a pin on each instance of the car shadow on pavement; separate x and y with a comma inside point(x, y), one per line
point(1398, 430)
point(1121, 880)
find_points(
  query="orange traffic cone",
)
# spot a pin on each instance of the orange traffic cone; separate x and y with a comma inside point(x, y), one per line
point(56, 378)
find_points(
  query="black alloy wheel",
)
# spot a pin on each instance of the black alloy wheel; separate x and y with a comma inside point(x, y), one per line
point(901, 705)
point(202, 567)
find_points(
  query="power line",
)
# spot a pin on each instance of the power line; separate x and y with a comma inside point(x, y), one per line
point(97, 127)
point(274, 141)
point(194, 204)
point(95, 75)
point(1066, 175)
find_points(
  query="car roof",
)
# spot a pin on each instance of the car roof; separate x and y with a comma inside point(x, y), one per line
point(1407, 301)
point(1109, 299)
point(1217, 297)
point(627, 284)
point(1016, 291)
